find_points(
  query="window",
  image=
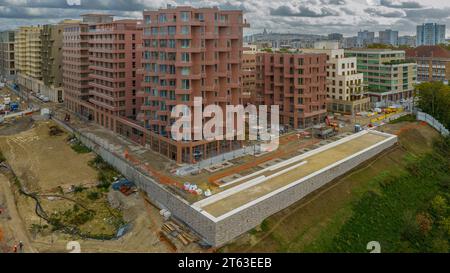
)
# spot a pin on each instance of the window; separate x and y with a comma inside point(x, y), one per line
point(185, 30)
point(172, 30)
point(185, 43)
point(185, 84)
point(185, 57)
point(185, 71)
point(171, 43)
point(185, 16)
point(162, 18)
point(148, 20)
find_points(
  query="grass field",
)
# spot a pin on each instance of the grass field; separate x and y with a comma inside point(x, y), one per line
point(357, 208)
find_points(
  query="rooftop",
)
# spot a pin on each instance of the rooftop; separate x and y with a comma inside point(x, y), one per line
point(428, 51)
point(269, 181)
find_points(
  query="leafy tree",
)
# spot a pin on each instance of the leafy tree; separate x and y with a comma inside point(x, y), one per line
point(434, 99)
point(439, 206)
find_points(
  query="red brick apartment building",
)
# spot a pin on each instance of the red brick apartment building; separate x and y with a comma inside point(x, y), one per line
point(101, 60)
point(297, 83)
point(187, 53)
point(76, 67)
point(115, 63)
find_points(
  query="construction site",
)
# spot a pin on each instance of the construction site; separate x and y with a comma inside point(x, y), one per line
point(193, 207)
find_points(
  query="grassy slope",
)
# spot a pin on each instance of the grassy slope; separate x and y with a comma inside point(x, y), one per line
point(312, 224)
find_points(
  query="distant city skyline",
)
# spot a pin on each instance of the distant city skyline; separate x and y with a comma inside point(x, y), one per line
point(283, 16)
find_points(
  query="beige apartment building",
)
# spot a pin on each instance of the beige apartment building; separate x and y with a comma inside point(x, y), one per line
point(38, 53)
point(346, 90)
point(390, 77)
point(28, 55)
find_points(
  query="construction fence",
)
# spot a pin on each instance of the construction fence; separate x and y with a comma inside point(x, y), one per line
point(433, 122)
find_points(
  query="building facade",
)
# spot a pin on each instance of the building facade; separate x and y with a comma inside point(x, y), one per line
point(115, 78)
point(433, 63)
point(297, 83)
point(249, 75)
point(388, 37)
point(406, 40)
point(365, 38)
point(335, 36)
point(28, 60)
point(51, 66)
point(346, 91)
point(76, 67)
point(7, 56)
point(389, 76)
point(430, 34)
point(188, 53)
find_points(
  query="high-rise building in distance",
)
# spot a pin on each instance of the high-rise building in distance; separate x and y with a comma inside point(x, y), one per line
point(388, 37)
point(430, 34)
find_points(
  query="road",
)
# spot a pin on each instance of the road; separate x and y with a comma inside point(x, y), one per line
point(14, 225)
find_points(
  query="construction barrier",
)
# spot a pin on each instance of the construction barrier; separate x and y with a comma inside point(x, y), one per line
point(386, 116)
point(433, 123)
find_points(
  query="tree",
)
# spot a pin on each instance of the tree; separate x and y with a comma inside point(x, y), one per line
point(439, 206)
point(434, 99)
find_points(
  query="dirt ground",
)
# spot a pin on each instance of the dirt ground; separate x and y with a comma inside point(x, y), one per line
point(44, 162)
point(305, 225)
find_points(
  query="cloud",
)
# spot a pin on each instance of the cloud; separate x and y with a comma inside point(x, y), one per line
point(401, 4)
point(390, 13)
point(295, 16)
point(303, 11)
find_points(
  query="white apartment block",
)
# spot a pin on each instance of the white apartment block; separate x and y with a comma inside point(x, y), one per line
point(345, 87)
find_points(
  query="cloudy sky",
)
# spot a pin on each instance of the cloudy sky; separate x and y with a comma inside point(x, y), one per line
point(299, 16)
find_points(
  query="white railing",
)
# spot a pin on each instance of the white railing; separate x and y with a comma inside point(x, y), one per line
point(433, 122)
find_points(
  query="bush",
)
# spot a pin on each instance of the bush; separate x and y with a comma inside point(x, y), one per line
point(80, 148)
point(93, 195)
point(79, 188)
point(2, 157)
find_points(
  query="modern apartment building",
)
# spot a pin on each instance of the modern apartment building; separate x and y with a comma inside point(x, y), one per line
point(335, 36)
point(189, 52)
point(430, 34)
point(390, 77)
point(51, 61)
point(7, 58)
point(297, 83)
point(249, 75)
point(76, 66)
point(388, 37)
point(407, 41)
point(433, 63)
point(365, 38)
point(346, 91)
point(27, 50)
point(115, 78)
